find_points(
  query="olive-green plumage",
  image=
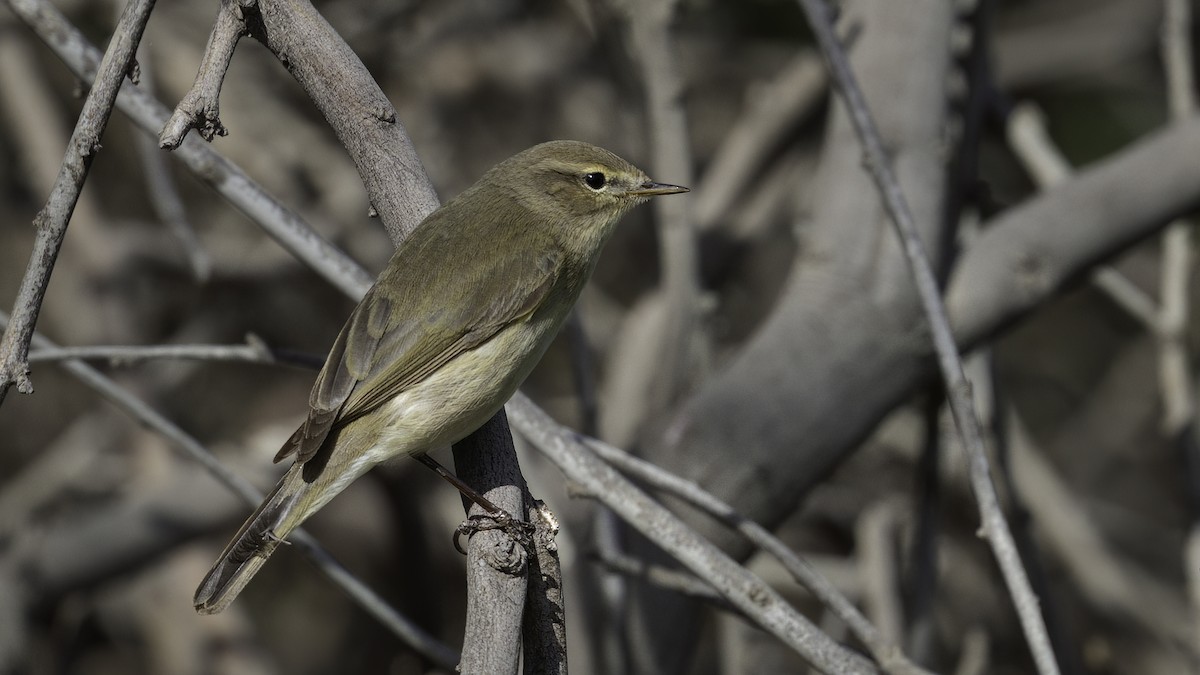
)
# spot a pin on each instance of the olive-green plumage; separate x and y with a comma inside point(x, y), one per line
point(454, 324)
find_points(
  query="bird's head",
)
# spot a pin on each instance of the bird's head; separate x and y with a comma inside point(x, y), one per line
point(576, 185)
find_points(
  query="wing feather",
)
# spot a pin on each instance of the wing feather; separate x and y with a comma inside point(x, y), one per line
point(383, 350)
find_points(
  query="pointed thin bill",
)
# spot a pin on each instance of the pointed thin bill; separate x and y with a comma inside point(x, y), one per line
point(650, 188)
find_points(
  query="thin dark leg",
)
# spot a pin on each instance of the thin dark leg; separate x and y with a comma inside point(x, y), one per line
point(462, 487)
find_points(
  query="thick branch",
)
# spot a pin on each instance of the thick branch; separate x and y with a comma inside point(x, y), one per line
point(1030, 251)
point(497, 566)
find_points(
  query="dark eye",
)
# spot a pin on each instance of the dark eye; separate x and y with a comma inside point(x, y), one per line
point(595, 180)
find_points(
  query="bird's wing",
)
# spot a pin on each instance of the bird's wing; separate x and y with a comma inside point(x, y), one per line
point(384, 348)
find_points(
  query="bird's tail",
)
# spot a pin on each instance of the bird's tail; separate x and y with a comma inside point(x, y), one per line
point(281, 512)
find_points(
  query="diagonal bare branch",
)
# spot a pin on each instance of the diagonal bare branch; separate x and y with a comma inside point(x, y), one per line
point(51, 221)
point(958, 389)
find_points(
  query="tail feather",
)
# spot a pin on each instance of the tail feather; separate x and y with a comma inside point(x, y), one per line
point(281, 512)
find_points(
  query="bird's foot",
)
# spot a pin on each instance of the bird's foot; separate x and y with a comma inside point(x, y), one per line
point(519, 530)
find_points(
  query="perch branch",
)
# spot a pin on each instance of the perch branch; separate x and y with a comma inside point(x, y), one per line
point(497, 564)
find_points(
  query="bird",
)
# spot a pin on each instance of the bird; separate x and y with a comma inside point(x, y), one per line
point(455, 322)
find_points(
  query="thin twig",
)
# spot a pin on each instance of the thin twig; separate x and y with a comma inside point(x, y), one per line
point(254, 352)
point(51, 221)
point(886, 653)
point(958, 389)
point(612, 589)
point(200, 107)
point(744, 590)
point(407, 631)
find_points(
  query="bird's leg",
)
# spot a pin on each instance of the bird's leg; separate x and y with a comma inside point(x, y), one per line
point(466, 490)
point(503, 520)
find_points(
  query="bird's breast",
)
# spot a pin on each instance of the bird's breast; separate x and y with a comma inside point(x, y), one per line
point(463, 394)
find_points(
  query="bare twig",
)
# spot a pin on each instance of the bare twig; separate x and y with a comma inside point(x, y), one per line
point(341, 87)
point(51, 221)
point(200, 108)
point(993, 525)
point(254, 352)
point(407, 631)
point(886, 653)
point(744, 590)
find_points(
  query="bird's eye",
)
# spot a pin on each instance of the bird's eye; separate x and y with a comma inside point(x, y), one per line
point(595, 180)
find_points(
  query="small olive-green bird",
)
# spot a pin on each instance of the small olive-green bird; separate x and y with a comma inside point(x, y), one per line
point(454, 324)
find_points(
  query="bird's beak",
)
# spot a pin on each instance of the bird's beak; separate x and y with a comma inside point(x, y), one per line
point(650, 189)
